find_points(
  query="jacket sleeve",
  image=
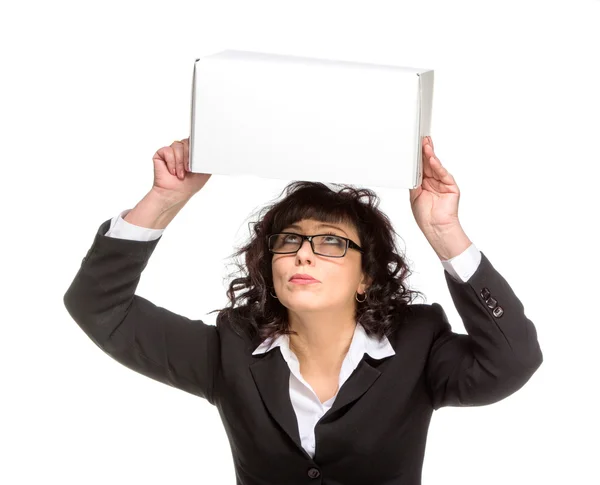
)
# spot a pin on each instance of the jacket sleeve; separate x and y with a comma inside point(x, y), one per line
point(144, 337)
point(499, 354)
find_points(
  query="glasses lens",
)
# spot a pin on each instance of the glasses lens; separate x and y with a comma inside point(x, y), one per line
point(329, 245)
point(326, 245)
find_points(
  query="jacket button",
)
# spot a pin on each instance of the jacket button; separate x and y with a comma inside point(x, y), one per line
point(491, 302)
point(498, 311)
point(313, 473)
point(485, 293)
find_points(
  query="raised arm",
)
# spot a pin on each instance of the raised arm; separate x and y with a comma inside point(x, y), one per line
point(148, 339)
point(499, 354)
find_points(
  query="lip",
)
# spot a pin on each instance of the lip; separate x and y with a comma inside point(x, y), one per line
point(302, 281)
point(303, 277)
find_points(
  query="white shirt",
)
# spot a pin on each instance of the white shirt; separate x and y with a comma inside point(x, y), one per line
point(307, 406)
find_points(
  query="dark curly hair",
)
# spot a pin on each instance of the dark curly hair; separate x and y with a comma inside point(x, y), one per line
point(263, 316)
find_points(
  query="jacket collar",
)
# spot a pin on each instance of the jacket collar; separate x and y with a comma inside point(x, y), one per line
point(361, 343)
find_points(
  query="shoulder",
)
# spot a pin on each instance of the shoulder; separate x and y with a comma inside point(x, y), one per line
point(422, 318)
point(419, 312)
point(235, 323)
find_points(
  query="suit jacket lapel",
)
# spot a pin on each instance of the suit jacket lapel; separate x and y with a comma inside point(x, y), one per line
point(272, 377)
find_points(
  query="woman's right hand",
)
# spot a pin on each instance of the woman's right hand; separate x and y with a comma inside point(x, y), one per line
point(172, 177)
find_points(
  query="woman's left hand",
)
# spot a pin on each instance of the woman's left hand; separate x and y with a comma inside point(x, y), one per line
point(435, 202)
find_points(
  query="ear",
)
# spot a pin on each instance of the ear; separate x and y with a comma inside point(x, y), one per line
point(366, 282)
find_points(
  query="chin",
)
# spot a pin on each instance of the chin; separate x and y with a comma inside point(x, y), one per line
point(306, 299)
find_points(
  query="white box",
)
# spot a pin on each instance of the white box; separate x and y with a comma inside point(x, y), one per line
point(298, 118)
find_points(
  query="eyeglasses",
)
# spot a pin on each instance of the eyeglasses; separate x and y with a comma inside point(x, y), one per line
point(322, 244)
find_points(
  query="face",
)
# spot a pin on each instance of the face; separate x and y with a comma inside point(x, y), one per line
point(338, 278)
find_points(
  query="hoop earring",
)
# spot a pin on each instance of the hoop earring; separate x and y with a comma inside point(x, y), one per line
point(272, 294)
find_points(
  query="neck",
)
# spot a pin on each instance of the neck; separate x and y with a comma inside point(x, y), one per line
point(322, 341)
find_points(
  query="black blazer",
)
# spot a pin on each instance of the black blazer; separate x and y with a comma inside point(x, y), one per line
point(375, 433)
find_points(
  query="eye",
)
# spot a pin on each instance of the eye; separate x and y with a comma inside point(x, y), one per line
point(335, 239)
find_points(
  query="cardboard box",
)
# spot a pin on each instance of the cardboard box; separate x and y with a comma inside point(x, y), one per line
point(298, 118)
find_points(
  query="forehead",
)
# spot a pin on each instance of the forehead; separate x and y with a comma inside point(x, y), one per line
point(312, 225)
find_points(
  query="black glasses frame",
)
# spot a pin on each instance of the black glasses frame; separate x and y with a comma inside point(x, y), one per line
point(349, 244)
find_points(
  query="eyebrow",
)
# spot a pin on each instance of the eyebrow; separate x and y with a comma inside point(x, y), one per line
point(296, 226)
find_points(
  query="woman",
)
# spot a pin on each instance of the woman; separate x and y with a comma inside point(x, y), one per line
point(327, 373)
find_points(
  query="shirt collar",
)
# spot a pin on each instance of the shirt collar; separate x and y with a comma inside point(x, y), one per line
point(361, 344)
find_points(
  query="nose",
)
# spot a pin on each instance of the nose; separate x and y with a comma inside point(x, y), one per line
point(305, 248)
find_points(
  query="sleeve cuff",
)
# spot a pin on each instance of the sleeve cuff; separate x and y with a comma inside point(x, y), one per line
point(122, 229)
point(462, 267)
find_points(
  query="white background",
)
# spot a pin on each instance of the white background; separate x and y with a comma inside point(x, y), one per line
point(91, 90)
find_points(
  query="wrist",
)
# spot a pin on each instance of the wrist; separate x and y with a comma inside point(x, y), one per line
point(448, 242)
point(166, 199)
point(155, 211)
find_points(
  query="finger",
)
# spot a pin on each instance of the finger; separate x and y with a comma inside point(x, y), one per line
point(428, 170)
point(186, 154)
point(167, 154)
point(178, 148)
point(442, 173)
point(430, 144)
